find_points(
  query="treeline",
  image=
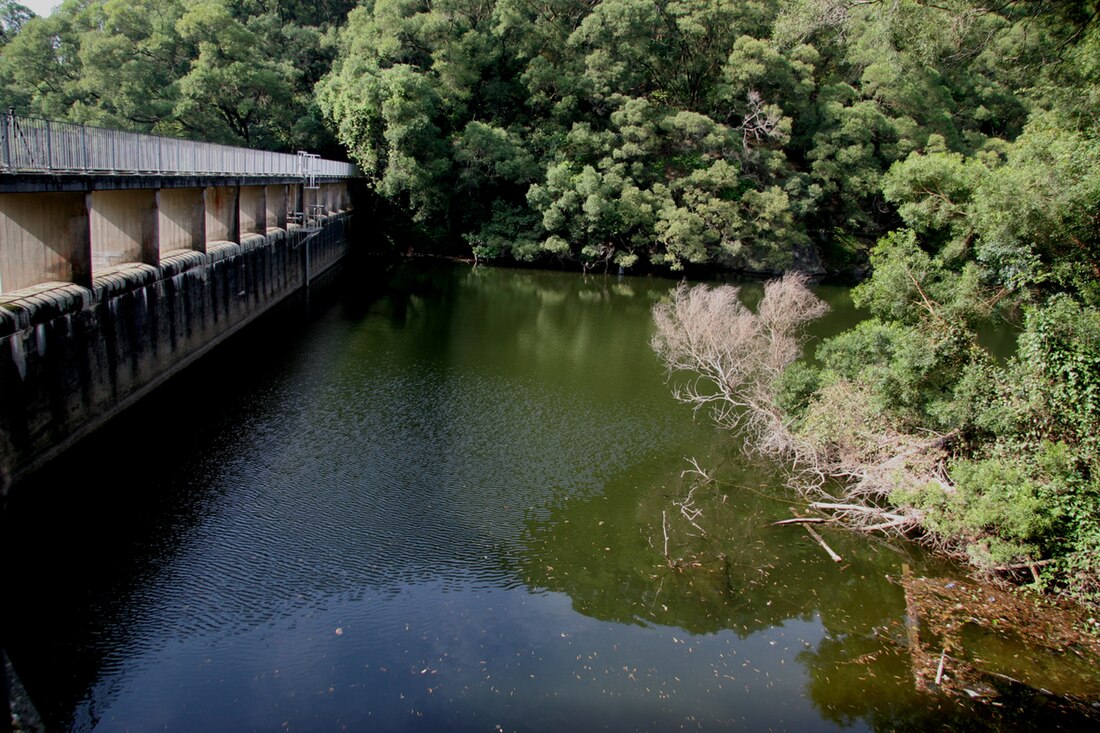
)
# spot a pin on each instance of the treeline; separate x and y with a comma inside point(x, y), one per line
point(1004, 454)
point(907, 422)
point(240, 72)
point(673, 132)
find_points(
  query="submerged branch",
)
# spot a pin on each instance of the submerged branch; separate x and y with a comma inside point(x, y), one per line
point(835, 557)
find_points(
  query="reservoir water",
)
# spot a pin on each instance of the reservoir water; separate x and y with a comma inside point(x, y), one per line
point(441, 502)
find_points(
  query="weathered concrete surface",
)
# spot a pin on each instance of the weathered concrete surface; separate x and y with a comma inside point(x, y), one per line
point(45, 237)
point(124, 228)
point(295, 200)
point(71, 357)
point(223, 213)
point(276, 206)
point(73, 237)
point(182, 223)
point(253, 208)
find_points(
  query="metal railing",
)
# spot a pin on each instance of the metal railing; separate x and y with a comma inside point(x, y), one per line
point(34, 145)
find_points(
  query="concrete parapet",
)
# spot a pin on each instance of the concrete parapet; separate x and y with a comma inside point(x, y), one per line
point(123, 278)
point(174, 263)
point(218, 251)
point(252, 241)
point(40, 303)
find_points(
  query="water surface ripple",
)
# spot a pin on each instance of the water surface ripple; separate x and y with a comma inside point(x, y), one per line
point(442, 505)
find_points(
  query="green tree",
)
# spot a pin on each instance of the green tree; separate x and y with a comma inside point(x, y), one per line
point(40, 67)
point(231, 89)
point(13, 17)
point(201, 68)
point(416, 84)
point(1036, 215)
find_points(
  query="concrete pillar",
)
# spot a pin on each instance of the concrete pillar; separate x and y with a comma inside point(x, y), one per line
point(253, 203)
point(44, 237)
point(182, 219)
point(223, 216)
point(276, 206)
point(124, 228)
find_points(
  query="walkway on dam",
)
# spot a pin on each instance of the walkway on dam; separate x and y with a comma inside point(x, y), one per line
point(39, 146)
point(76, 201)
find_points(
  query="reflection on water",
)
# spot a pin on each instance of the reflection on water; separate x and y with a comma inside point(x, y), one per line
point(440, 505)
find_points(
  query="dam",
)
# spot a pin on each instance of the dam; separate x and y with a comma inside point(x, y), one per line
point(124, 257)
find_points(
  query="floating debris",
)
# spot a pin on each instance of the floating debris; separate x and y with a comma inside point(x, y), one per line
point(966, 639)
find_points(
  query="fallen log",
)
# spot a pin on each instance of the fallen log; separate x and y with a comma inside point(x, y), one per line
point(816, 536)
point(799, 520)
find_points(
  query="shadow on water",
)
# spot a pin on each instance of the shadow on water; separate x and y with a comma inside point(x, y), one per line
point(118, 507)
point(441, 500)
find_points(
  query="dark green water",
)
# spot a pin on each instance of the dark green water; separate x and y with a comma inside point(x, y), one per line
point(436, 503)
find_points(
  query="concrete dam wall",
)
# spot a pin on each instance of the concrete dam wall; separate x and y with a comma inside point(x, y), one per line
point(72, 356)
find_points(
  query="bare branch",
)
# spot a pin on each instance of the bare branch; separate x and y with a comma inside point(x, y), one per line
point(726, 359)
point(732, 357)
point(799, 520)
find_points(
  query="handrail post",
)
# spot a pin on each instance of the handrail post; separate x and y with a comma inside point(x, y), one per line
point(49, 146)
point(5, 153)
point(84, 145)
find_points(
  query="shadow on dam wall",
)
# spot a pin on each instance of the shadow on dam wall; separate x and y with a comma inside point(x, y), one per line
point(72, 357)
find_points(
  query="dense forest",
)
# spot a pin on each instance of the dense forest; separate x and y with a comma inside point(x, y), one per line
point(240, 72)
point(950, 148)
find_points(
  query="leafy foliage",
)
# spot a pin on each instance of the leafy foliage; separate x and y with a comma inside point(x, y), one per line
point(13, 17)
point(657, 134)
point(739, 135)
point(218, 70)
